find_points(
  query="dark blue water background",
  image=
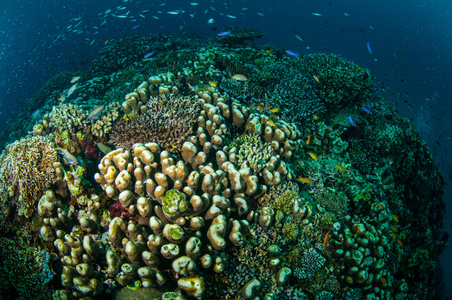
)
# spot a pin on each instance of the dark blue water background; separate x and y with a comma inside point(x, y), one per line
point(411, 44)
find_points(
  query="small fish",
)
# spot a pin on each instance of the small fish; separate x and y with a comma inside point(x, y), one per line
point(317, 14)
point(299, 37)
point(232, 17)
point(147, 55)
point(71, 90)
point(308, 140)
point(95, 114)
point(325, 239)
point(273, 110)
point(383, 280)
point(135, 27)
point(271, 123)
point(395, 217)
point(173, 12)
point(312, 155)
point(346, 14)
point(239, 77)
point(304, 179)
point(71, 159)
point(340, 167)
point(75, 79)
point(106, 42)
point(317, 78)
point(268, 51)
point(213, 84)
point(352, 122)
point(224, 33)
point(368, 48)
point(315, 117)
point(105, 149)
point(400, 242)
point(291, 53)
point(260, 14)
point(380, 206)
point(210, 21)
point(260, 107)
point(367, 110)
point(194, 3)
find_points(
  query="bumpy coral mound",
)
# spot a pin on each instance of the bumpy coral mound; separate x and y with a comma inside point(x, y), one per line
point(26, 171)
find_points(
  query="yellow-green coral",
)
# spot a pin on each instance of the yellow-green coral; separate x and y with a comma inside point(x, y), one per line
point(290, 230)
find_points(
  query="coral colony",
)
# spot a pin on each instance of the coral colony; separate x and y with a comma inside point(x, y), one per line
point(218, 171)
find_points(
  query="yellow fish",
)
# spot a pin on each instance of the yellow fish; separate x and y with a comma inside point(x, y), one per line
point(268, 51)
point(213, 83)
point(308, 140)
point(340, 167)
point(315, 117)
point(395, 217)
point(314, 156)
point(271, 123)
point(239, 77)
point(317, 78)
point(304, 179)
point(274, 110)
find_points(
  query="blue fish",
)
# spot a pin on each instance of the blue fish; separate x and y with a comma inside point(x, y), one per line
point(367, 110)
point(291, 53)
point(368, 48)
point(147, 55)
point(351, 120)
point(136, 26)
point(224, 33)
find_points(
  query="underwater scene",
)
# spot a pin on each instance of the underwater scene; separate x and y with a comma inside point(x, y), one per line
point(223, 150)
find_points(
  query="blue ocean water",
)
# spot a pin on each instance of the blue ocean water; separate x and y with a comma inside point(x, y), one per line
point(407, 44)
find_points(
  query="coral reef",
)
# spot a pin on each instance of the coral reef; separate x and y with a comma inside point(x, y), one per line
point(219, 171)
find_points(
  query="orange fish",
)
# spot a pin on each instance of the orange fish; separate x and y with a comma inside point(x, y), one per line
point(380, 206)
point(325, 239)
point(400, 242)
point(308, 140)
point(314, 156)
point(271, 123)
point(239, 77)
point(317, 78)
point(304, 179)
point(383, 280)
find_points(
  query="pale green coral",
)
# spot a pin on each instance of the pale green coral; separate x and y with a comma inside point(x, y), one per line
point(174, 203)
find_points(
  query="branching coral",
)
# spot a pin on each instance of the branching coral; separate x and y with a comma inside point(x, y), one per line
point(168, 121)
point(26, 171)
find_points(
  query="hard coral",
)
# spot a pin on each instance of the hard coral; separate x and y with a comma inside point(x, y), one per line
point(168, 121)
point(26, 171)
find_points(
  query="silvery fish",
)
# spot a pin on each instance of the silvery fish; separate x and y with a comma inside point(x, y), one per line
point(94, 115)
point(71, 159)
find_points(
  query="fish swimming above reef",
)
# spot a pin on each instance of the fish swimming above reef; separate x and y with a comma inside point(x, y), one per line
point(291, 53)
point(368, 48)
point(71, 90)
point(352, 122)
point(95, 114)
point(224, 33)
point(239, 77)
point(71, 159)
